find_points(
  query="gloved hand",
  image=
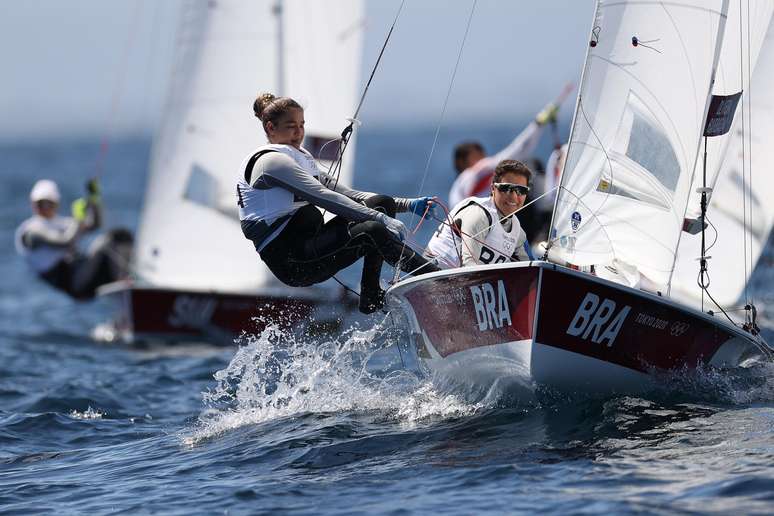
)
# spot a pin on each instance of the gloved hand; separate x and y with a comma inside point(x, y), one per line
point(395, 226)
point(92, 189)
point(420, 204)
point(548, 114)
point(79, 207)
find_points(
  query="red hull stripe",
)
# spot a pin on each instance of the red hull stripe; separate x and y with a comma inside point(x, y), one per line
point(169, 312)
point(607, 323)
point(477, 309)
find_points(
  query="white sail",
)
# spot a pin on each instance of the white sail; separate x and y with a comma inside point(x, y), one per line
point(229, 51)
point(636, 134)
point(730, 265)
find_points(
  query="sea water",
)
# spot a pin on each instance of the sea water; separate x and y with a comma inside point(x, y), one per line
point(344, 423)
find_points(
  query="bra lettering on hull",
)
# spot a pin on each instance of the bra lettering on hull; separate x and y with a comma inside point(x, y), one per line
point(598, 320)
point(491, 307)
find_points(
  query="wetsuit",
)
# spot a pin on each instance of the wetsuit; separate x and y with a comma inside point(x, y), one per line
point(278, 195)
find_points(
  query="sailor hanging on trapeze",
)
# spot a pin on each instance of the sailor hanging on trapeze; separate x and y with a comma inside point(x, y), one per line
point(279, 191)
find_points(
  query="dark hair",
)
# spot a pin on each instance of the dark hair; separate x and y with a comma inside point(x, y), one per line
point(268, 108)
point(461, 153)
point(511, 166)
point(535, 165)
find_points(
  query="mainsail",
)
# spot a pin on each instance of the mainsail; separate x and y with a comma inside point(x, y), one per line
point(740, 213)
point(635, 138)
point(227, 52)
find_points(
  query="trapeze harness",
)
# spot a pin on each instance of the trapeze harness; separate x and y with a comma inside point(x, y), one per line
point(299, 247)
point(265, 210)
point(499, 246)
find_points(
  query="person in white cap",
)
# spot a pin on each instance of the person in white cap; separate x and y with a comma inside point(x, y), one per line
point(48, 242)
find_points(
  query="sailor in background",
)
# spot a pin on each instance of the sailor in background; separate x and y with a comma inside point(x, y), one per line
point(475, 169)
point(483, 231)
point(279, 191)
point(49, 242)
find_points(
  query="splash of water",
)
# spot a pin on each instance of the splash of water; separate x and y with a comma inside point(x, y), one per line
point(279, 374)
point(737, 386)
point(89, 413)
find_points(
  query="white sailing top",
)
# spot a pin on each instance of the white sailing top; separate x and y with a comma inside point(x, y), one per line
point(477, 237)
point(45, 242)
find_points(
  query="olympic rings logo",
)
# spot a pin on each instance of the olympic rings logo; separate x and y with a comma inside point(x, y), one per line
point(678, 328)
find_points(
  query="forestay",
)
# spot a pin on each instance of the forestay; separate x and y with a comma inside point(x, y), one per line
point(729, 265)
point(227, 52)
point(635, 137)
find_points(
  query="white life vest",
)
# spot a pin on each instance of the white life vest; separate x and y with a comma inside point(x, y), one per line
point(43, 258)
point(498, 246)
point(265, 210)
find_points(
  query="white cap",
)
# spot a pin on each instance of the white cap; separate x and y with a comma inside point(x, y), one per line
point(44, 190)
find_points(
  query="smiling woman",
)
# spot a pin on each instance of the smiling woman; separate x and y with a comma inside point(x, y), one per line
point(485, 231)
point(278, 192)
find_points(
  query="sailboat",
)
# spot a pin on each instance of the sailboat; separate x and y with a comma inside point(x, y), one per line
point(196, 278)
point(597, 313)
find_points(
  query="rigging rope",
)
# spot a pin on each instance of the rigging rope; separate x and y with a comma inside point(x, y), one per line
point(744, 159)
point(335, 168)
point(117, 92)
point(440, 119)
point(749, 136)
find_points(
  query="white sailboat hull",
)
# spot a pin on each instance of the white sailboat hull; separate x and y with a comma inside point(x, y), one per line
point(512, 327)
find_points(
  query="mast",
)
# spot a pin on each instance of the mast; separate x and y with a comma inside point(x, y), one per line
point(705, 134)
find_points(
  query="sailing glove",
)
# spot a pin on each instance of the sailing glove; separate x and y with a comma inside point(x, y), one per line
point(419, 205)
point(548, 114)
point(394, 226)
point(80, 206)
point(92, 189)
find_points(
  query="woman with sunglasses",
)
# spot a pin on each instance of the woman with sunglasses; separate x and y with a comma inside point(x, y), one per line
point(279, 191)
point(481, 231)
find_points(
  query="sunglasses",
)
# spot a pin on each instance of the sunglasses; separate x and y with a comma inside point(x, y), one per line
point(510, 187)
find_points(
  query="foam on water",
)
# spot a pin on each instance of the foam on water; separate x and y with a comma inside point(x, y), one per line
point(737, 386)
point(278, 374)
point(89, 413)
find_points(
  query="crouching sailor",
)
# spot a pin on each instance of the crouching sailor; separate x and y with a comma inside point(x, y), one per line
point(482, 231)
point(48, 242)
point(279, 191)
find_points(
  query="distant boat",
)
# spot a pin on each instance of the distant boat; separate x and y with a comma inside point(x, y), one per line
point(197, 277)
point(597, 316)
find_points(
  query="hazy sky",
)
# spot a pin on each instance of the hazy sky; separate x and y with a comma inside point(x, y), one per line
point(87, 67)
